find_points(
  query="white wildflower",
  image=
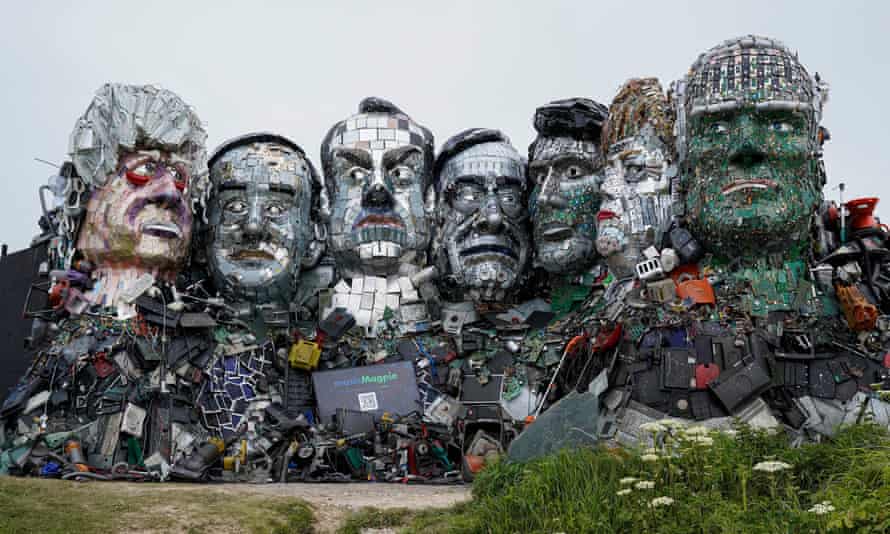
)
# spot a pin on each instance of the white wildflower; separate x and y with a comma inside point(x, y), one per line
point(660, 501)
point(625, 491)
point(628, 480)
point(644, 484)
point(771, 466)
point(653, 427)
point(649, 457)
point(672, 423)
point(695, 431)
point(822, 508)
point(702, 440)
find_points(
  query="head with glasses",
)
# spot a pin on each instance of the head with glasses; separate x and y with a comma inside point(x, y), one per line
point(482, 245)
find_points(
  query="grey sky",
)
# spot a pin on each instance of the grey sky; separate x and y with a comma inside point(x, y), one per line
point(296, 68)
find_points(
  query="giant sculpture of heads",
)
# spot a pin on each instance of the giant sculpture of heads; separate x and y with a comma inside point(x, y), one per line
point(638, 141)
point(482, 245)
point(750, 145)
point(259, 211)
point(565, 162)
point(137, 151)
point(378, 171)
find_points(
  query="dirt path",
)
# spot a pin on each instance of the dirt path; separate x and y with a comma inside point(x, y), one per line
point(332, 502)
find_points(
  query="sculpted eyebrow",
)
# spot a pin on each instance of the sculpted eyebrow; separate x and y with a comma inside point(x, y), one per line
point(283, 188)
point(355, 156)
point(232, 186)
point(398, 155)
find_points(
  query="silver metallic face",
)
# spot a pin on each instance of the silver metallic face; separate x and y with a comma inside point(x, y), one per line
point(564, 202)
point(636, 208)
point(377, 173)
point(259, 217)
point(483, 219)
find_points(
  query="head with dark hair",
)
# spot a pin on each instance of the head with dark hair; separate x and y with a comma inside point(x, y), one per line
point(564, 164)
point(262, 192)
point(482, 245)
point(377, 168)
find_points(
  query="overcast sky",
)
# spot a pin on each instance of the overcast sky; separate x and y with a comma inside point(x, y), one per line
point(295, 68)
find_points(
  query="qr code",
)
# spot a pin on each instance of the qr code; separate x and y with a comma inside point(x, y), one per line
point(367, 402)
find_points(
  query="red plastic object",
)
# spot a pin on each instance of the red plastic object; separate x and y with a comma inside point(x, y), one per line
point(607, 339)
point(887, 360)
point(700, 291)
point(689, 270)
point(103, 366)
point(704, 373)
point(605, 215)
point(58, 294)
point(862, 212)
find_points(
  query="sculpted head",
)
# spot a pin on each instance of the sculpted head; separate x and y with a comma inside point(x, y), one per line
point(750, 143)
point(638, 141)
point(565, 162)
point(259, 210)
point(378, 171)
point(482, 245)
point(137, 151)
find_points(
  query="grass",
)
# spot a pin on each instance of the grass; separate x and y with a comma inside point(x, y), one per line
point(704, 483)
point(53, 506)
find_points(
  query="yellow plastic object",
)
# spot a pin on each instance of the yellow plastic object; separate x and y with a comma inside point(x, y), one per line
point(304, 355)
point(220, 444)
point(230, 463)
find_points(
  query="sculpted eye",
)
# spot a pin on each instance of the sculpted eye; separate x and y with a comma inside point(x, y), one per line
point(574, 171)
point(236, 206)
point(403, 175)
point(179, 178)
point(358, 173)
point(718, 128)
point(142, 173)
point(781, 127)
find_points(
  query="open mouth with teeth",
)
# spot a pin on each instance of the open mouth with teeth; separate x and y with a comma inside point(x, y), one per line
point(748, 185)
point(162, 230)
point(379, 220)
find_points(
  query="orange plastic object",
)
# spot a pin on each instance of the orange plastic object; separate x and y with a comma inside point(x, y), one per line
point(860, 314)
point(475, 462)
point(862, 212)
point(684, 272)
point(700, 291)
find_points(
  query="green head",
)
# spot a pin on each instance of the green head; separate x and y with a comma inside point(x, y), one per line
point(750, 145)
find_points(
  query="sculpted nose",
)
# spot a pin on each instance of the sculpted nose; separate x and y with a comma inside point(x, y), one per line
point(747, 155)
point(491, 218)
point(377, 196)
point(254, 224)
point(550, 195)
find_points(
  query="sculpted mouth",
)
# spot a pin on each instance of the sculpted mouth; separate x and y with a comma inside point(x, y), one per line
point(162, 230)
point(555, 232)
point(251, 254)
point(743, 185)
point(489, 249)
point(380, 220)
